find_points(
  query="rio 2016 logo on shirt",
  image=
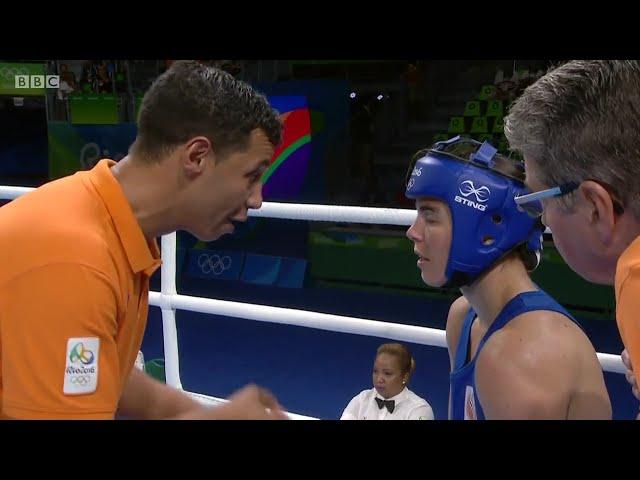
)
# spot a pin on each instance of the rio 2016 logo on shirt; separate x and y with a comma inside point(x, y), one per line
point(81, 354)
point(81, 371)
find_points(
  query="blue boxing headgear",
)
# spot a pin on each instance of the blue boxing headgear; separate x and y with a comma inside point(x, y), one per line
point(487, 224)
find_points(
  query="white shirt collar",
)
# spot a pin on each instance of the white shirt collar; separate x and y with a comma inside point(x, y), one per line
point(398, 398)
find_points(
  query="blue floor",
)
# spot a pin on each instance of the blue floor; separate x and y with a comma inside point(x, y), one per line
point(315, 372)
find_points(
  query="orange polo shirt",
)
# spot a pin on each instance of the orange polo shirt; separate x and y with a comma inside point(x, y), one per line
point(627, 286)
point(74, 285)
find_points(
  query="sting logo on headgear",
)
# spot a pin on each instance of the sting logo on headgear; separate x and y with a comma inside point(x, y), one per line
point(481, 194)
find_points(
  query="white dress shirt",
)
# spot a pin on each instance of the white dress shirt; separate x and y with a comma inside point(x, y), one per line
point(408, 406)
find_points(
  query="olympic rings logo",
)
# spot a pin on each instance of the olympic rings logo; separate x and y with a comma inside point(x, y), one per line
point(79, 353)
point(9, 73)
point(213, 263)
point(80, 379)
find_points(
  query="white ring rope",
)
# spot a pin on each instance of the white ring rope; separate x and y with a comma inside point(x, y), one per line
point(303, 211)
point(305, 318)
point(9, 193)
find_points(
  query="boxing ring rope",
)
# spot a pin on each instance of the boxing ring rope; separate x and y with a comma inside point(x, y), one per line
point(10, 193)
point(169, 300)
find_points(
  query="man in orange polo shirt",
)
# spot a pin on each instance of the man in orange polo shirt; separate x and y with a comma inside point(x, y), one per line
point(578, 128)
point(77, 253)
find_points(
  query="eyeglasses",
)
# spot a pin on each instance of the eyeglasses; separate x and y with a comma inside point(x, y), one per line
point(531, 203)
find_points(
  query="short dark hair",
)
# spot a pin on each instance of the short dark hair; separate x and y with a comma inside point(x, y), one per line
point(191, 99)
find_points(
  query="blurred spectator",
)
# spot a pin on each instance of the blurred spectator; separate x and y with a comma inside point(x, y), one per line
point(104, 77)
point(362, 131)
point(506, 91)
point(413, 77)
point(88, 77)
point(68, 77)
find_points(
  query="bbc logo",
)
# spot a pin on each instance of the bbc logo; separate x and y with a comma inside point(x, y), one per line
point(37, 81)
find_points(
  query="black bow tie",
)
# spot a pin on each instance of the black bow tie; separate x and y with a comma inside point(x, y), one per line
point(390, 404)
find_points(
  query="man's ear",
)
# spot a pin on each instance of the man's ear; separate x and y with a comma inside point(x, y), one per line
point(196, 153)
point(597, 207)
